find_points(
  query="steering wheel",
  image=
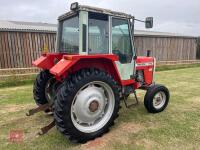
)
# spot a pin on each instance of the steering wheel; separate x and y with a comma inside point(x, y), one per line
point(122, 57)
point(117, 52)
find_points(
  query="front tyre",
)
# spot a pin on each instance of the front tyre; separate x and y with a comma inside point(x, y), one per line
point(156, 98)
point(86, 105)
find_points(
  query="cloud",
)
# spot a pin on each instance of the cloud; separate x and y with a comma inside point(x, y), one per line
point(170, 16)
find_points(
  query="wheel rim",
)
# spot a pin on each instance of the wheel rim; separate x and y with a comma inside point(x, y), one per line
point(50, 89)
point(92, 107)
point(159, 100)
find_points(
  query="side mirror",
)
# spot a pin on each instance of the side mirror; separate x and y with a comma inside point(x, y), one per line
point(149, 22)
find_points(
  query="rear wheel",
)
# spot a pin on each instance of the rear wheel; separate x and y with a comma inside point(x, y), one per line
point(44, 88)
point(86, 105)
point(156, 98)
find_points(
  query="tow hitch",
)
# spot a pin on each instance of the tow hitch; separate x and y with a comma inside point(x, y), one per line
point(40, 108)
point(45, 129)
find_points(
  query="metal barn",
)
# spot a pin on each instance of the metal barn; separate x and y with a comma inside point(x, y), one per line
point(22, 42)
point(166, 46)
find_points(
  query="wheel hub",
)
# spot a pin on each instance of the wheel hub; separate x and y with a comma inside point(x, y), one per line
point(94, 105)
point(50, 90)
point(89, 104)
point(159, 100)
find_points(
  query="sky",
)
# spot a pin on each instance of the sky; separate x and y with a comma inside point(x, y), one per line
point(176, 16)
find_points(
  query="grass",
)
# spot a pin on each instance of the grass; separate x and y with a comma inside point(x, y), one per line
point(178, 127)
point(16, 81)
point(175, 67)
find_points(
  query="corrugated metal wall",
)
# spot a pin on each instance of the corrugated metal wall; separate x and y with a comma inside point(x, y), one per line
point(167, 48)
point(19, 49)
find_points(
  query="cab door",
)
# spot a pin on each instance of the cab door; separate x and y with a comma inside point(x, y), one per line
point(122, 47)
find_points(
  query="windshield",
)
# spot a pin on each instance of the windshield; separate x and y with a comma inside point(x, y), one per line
point(69, 36)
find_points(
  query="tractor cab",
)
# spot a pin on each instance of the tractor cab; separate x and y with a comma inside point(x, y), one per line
point(88, 30)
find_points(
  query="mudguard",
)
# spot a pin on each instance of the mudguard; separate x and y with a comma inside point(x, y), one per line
point(47, 61)
point(69, 61)
point(62, 66)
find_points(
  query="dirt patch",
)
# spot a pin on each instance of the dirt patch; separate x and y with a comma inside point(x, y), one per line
point(148, 145)
point(14, 108)
point(119, 134)
point(3, 96)
point(194, 102)
point(30, 126)
point(13, 118)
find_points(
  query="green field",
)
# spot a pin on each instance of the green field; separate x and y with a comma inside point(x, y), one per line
point(178, 127)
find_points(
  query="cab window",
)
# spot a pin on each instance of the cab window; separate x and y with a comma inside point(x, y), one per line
point(69, 42)
point(98, 34)
point(121, 41)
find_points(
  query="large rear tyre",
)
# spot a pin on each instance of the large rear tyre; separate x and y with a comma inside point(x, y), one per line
point(156, 98)
point(86, 105)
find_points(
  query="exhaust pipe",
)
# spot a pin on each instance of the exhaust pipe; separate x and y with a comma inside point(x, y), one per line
point(148, 53)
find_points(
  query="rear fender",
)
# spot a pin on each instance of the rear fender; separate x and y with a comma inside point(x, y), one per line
point(62, 67)
point(70, 64)
point(47, 61)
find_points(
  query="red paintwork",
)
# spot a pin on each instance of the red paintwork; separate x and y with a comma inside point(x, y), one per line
point(107, 56)
point(128, 82)
point(101, 63)
point(148, 70)
point(46, 61)
point(61, 67)
point(144, 59)
point(71, 63)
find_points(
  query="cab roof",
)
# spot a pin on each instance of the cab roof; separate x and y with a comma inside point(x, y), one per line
point(95, 10)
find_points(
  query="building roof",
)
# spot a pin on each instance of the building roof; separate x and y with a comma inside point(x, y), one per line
point(52, 28)
point(27, 26)
point(160, 34)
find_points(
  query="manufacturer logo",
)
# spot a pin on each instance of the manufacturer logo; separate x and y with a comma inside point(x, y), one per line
point(16, 136)
point(144, 64)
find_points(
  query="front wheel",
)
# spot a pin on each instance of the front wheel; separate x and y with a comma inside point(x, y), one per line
point(156, 98)
point(86, 105)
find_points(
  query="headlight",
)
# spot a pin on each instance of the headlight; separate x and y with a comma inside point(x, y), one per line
point(74, 6)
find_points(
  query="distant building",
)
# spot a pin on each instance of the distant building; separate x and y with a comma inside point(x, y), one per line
point(22, 42)
point(166, 46)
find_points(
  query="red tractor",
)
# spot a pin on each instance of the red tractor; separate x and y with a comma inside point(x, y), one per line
point(94, 68)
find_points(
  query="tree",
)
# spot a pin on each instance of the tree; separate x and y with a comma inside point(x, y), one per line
point(198, 48)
